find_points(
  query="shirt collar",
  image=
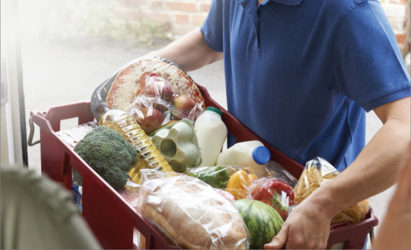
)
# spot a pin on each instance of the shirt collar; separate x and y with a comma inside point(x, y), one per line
point(250, 4)
point(288, 2)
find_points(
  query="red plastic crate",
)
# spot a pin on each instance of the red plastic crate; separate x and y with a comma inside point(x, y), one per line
point(110, 217)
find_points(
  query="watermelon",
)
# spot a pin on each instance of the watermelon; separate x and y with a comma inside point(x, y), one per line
point(262, 221)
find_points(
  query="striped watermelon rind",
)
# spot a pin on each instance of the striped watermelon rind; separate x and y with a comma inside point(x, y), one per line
point(263, 222)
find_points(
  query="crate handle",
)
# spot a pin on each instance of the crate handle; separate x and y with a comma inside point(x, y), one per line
point(372, 237)
point(31, 135)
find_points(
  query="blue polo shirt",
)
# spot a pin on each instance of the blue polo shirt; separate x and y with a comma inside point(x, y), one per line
point(302, 73)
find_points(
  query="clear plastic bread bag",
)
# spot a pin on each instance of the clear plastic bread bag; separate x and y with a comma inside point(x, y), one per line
point(276, 170)
point(232, 179)
point(316, 174)
point(274, 192)
point(190, 213)
point(156, 92)
point(131, 193)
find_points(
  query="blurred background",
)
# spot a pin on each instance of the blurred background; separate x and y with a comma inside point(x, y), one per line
point(69, 47)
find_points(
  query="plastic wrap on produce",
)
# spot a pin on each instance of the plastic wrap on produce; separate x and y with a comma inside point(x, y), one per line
point(131, 193)
point(190, 213)
point(316, 174)
point(73, 135)
point(232, 179)
point(156, 92)
point(276, 170)
point(273, 192)
point(226, 194)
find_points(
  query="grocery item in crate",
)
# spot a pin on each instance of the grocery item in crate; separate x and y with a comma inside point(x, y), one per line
point(73, 135)
point(211, 133)
point(165, 91)
point(131, 193)
point(217, 177)
point(282, 174)
point(262, 221)
point(124, 123)
point(239, 182)
point(191, 213)
point(248, 154)
point(233, 179)
point(273, 192)
point(108, 154)
point(178, 145)
point(316, 174)
point(159, 104)
point(226, 195)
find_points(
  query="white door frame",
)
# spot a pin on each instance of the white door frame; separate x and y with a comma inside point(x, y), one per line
point(15, 107)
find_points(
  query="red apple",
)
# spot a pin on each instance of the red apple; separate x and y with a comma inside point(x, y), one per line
point(161, 93)
point(157, 87)
point(149, 119)
point(183, 105)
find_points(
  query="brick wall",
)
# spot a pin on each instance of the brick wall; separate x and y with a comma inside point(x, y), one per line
point(398, 13)
point(182, 15)
point(186, 15)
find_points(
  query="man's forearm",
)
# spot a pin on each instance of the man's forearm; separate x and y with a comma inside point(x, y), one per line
point(190, 52)
point(374, 170)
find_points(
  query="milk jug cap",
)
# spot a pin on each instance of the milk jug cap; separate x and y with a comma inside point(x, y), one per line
point(215, 110)
point(261, 155)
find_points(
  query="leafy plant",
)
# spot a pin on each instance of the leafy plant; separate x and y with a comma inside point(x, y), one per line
point(61, 19)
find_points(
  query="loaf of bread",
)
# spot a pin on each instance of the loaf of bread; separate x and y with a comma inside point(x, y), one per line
point(192, 214)
point(126, 86)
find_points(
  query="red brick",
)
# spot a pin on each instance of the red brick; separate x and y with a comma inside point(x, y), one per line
point(400, 38)
point(157, 5)
point(398, 1)
point(198, 18)
point(181, 18)
point(205, 7)
point(158, 17)
point(181, 6)
point(132, 3)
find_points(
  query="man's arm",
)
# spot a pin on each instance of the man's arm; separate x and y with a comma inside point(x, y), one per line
point(190, 52)
point(394, 231)
point(372, 172)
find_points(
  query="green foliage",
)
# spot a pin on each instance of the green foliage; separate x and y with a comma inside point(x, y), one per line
point(61, 19)
point(107, 152)
point(150, 31)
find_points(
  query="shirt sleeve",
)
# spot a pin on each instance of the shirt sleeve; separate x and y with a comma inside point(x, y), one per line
point(212, 27)
point(366, 61)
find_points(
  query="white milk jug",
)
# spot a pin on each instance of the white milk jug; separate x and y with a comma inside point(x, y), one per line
point(211, 133)
point(251, 154)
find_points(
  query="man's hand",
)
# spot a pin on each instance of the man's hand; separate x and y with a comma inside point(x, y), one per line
point(307, 227)
point(374, 170)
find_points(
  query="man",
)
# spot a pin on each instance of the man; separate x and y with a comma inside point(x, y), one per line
point(301, 74)
point(38, 213)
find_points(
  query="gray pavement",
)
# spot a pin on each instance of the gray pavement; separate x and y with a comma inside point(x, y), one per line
point(65, 72)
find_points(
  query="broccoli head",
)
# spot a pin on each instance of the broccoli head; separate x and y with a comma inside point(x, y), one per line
point(107, 152)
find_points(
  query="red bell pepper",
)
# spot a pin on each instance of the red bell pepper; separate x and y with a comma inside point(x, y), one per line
point(267, 194)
